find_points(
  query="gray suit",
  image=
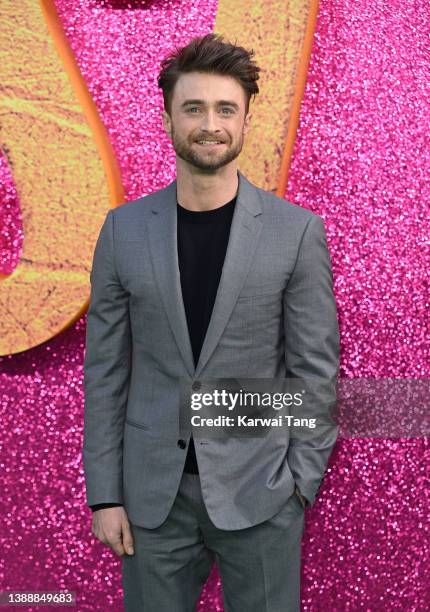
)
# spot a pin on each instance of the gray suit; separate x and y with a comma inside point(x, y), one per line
point(274, 316)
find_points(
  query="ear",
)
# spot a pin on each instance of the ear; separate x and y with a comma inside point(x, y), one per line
point(167, 123)
point(247, 123)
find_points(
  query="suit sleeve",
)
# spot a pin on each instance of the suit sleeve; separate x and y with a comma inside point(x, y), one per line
point(106, 374)
point(102, 506)
point(312, 355)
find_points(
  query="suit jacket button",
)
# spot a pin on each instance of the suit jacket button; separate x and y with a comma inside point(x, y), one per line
point(196, 385)
point(182, 443)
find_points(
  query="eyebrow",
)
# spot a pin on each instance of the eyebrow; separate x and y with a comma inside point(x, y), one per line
point(220, 102)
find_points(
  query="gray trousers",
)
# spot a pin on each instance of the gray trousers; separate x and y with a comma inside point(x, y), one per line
point(259, 566)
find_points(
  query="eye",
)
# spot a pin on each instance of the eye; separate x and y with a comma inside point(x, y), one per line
point(192, 108)
point(229, 110)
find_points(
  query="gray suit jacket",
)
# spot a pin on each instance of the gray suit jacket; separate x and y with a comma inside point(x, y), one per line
point(274, 316)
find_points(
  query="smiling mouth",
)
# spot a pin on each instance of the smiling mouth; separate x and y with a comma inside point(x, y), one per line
point(209, 143)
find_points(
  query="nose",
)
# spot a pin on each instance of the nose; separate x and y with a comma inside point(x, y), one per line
point(209, 122)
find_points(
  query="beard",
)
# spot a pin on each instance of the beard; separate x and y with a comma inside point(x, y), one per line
point(205, 160)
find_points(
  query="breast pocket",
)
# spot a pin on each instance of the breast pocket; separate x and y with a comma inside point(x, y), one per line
point(259, 306)
point(262, 290)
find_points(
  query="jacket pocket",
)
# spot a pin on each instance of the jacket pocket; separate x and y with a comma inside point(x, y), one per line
point(134, 423)
point(261, 289)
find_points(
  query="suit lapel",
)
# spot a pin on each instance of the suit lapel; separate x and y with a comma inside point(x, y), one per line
point(244, 234)
point(162, 232)
point(243, 240)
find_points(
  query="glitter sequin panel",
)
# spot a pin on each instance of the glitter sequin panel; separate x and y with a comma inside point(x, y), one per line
point(362, 162)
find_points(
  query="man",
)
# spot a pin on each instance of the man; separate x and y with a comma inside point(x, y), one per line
point(210, 277)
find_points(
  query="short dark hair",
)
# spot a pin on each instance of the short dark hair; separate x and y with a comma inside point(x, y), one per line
point(210, 54)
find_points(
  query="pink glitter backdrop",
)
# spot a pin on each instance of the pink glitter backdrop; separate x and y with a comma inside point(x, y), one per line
point(361, 161)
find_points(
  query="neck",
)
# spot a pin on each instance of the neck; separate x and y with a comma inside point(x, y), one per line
point(200, 191)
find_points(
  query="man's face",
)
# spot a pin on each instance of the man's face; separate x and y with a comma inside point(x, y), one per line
point(207, 122)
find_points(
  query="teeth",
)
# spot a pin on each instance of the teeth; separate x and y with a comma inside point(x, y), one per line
point(209, 142)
